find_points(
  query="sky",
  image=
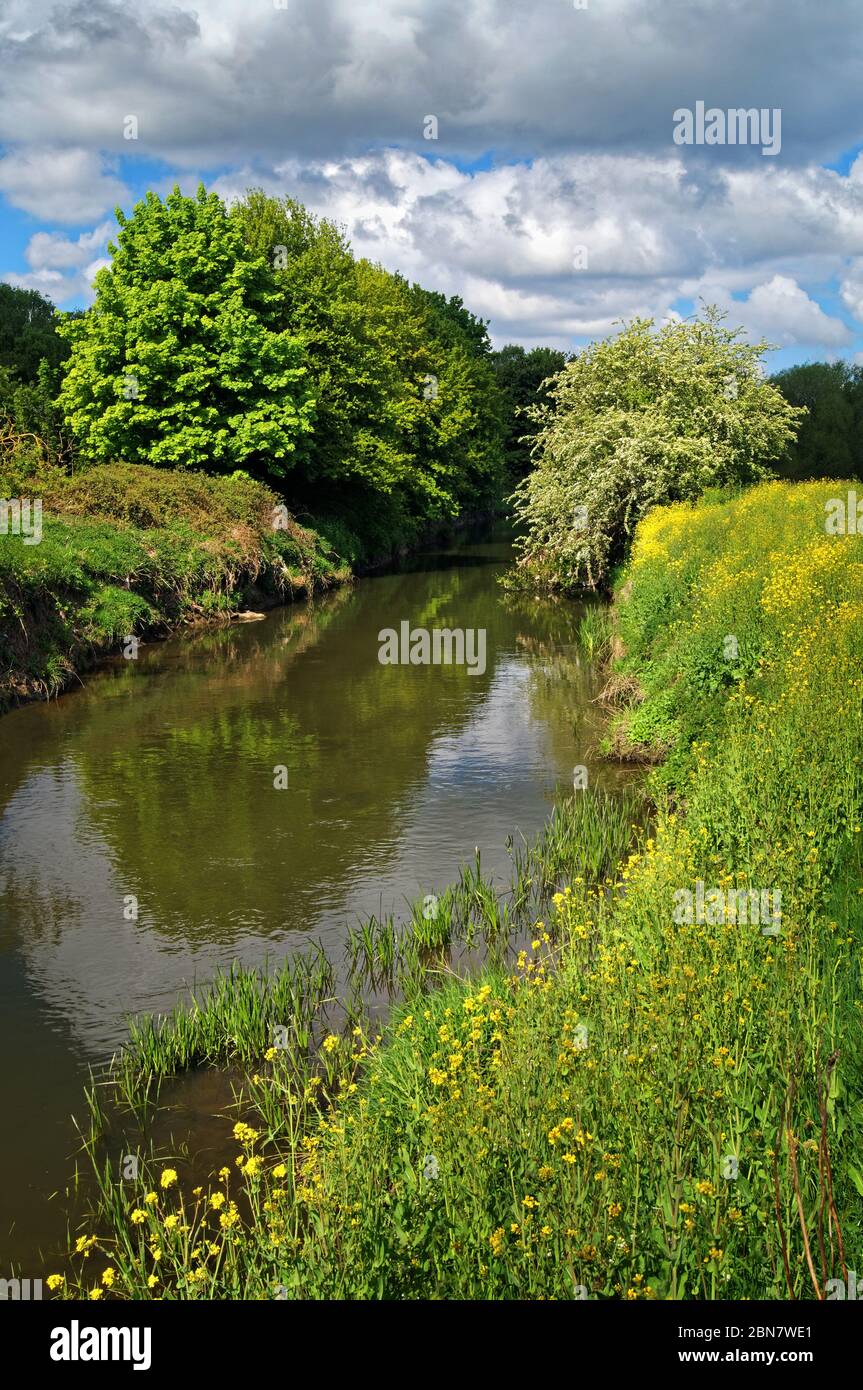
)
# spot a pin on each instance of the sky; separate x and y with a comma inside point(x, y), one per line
point(527, 155)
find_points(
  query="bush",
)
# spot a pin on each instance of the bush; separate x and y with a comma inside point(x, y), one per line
point(642, 419)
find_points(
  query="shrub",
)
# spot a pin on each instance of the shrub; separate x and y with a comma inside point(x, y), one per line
point(645, 418)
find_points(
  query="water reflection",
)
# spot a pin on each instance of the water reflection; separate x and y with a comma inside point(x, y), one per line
point(155, 782)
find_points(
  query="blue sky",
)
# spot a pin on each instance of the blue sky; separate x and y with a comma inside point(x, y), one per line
point(554, 198)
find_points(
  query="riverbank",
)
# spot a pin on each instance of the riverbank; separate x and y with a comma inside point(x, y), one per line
point(652, 1094)
point(130, 551)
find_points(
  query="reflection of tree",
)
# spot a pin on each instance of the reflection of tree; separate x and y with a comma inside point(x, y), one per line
point(550, 621)
point(180, 779)
point(564, 682)
point(174, 755)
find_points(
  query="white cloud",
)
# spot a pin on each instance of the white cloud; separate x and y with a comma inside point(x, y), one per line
point(852, 288)
point(62, 268)
point(60, 185)
point(57, 251)
point(326, 99)
point(212, 82)
point(504, 239)
point(781, 311)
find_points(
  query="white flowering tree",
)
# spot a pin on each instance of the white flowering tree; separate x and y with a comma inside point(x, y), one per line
point(647, 417)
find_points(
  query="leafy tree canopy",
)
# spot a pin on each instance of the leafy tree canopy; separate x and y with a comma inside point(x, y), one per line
point(182, 361)
point(830, 440)
point(522, 379)
point(406, 403)
point(28, 333)
point(647, 417)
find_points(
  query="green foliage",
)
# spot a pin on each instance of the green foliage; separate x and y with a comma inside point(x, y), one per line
point(320, 298)
point(131, 549)
point(28, 333)
point(712, 598)
point(181, 362)
point(32, 410)
point(463, 426)
point(254, 341)
point(154, 497)
point(647, 417)
point(829, 442)
point(583, 1092)
point(407, 426)
point(31, 355)
point(521, 377)
point(455, 324)
point(595, 632)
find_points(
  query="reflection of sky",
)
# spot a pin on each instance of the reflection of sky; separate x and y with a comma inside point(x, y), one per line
point(499, 740)
point(485, 776)
point(90, 965)
point(92, 968)
point(500, 749)
point(481, 783)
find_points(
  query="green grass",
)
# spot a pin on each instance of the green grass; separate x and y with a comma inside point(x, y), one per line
point(595, 632)
point(135, 550)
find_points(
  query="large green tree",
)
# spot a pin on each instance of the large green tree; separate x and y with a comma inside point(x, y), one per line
point(646, 417)
point(407, 420)
point(349, 345)
point(182, 361)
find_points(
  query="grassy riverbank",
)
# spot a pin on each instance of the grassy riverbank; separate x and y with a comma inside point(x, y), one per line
point(127, 549)
point(630, 1101)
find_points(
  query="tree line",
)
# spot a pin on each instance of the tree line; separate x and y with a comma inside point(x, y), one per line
point(250, 339)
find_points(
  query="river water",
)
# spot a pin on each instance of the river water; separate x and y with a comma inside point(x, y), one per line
point(143, 843)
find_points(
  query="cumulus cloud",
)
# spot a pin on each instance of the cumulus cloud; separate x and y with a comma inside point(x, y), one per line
point(63, 268)
point(852, 288)
point(586, 212)
point(565, 246)
point(329, 77)
point(59, 252)
point(60, 185)
point(781, 311)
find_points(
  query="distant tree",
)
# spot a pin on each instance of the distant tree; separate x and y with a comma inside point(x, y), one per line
point(28, 333)
point(31, 356)
point(32, 409)
point(828, 443)
point(465, 418)
point(644, 418)
point(182, 361)
point(520, 377)
point(855, 396)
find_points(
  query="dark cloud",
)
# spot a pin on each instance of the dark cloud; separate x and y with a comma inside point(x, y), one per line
point(331, 77)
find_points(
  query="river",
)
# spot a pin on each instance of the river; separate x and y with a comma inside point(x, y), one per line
point(143, 843)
